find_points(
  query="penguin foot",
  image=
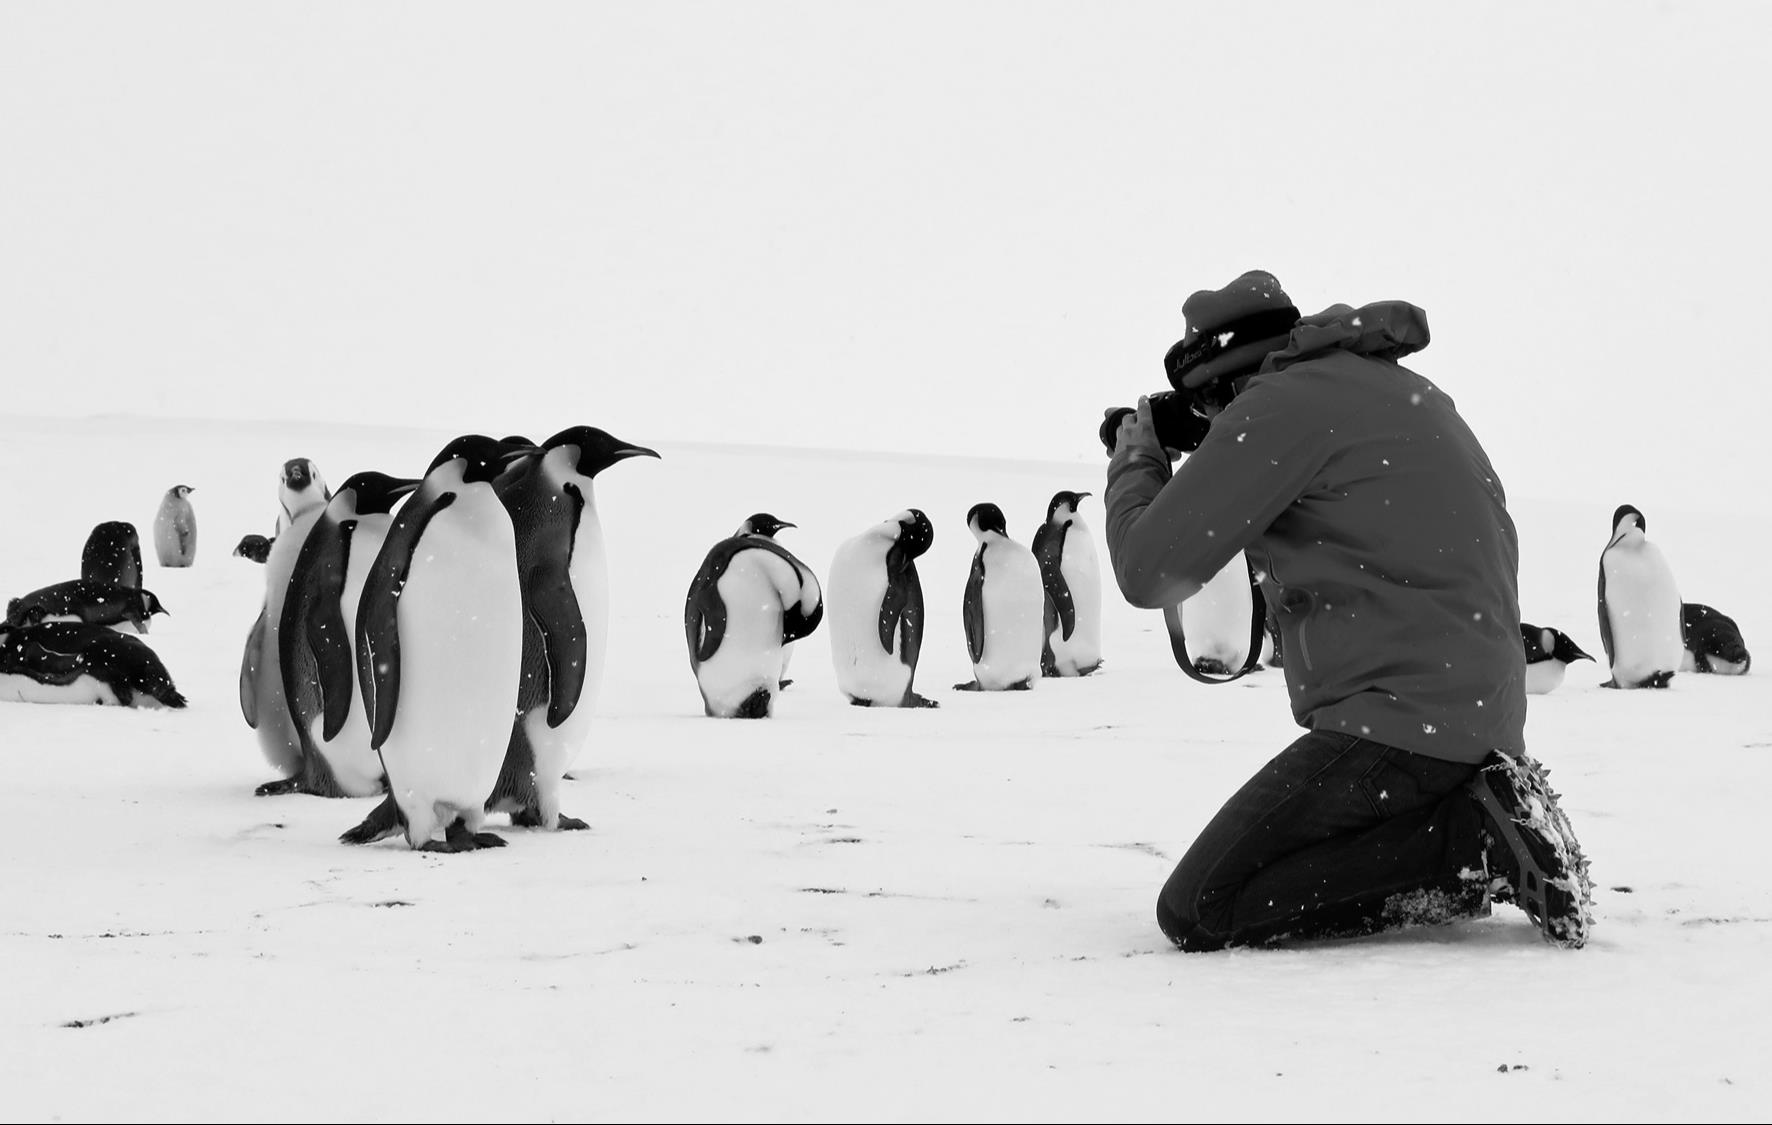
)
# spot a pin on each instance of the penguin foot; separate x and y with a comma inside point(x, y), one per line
point(912, 699)
point(1021, 685)
point(281, 787)
point(969, 685)
point(783, 685)
point(854, 702)
point(383, 821)
point(572, 824)
point(1091, 670)
point(1659, 680)
point(457, 838)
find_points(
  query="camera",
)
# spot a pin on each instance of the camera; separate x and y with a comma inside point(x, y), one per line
point(1178, 417)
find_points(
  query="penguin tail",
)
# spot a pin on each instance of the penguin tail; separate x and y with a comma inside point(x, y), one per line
point(755, 705)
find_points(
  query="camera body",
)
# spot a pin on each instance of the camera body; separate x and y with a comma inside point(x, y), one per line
point(1178, 416)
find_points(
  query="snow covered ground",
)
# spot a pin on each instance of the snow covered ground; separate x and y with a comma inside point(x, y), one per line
point(837, 913)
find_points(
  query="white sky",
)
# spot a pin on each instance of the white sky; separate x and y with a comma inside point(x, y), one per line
point(932, 227)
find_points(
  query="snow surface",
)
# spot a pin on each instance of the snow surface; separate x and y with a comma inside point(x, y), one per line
point(838, 912)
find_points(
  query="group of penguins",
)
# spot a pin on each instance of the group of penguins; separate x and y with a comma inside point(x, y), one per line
point(440, 640)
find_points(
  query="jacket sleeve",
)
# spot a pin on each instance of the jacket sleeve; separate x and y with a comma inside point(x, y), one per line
point(1167, 535)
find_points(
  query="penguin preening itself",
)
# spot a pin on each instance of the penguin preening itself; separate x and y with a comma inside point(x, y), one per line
point(95, 603)
point(748, 601)
point(439, 645)
point(1004, 608)
point(316, 654)
point(263, 702)
point(1713, 642)
point(113, 553)
point(874, 600)
point(1071, 573)
point(1640, 620)
point(175, 528)
point(72, 662)
point(1549, 652)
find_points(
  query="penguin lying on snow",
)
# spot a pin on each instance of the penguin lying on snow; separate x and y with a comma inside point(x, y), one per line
point(876, 612)
point(1004, 608)
point(72, 662)
point(749, 600)
point(1639, 606)
point(1713, 642)
point(1072, 576)
point(95, 603)
point(1549, 652)
point(113, 553)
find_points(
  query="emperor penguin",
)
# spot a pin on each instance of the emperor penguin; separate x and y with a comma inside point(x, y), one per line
point(1639, 606)
point(1549, 652)
point(748, 601)
point(73, 662)
point(113, 553)
point(1071, 572)
point(263, 702)
point(1713, 642)
point(875, 602)
point(299, 485)
point(439, 645)
point(175, 528)
point(766, 525)
point(1215, 621)
point(315, 642)
point(124, 608)
point(564, 564)
point(1004, 608)
point(253, 548)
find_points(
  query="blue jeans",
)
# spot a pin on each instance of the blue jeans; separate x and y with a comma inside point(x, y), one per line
point(1336, 837)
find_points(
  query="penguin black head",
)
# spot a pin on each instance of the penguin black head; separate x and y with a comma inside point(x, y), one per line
point(1566, 649)
point(597, 449)
point(1063, 499)
point(1629, 510)
point(762, 523)
point(151, 604)
point(180, 490)
point(375, 494)
point(915, 532)
point(298, 474)
point(484, 458)
point(254, 547)
point(986, 517)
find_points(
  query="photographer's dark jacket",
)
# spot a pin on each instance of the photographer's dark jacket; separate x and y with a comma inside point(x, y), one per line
point(1379, 527)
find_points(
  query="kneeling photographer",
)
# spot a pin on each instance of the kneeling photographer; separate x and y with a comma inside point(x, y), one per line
point(1381, 535)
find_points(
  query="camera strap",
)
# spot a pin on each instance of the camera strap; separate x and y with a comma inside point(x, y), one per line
point(1257, 628)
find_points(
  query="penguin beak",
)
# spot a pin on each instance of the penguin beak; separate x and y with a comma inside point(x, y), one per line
point(785, 523)
point(642, 451)
point(405, 486)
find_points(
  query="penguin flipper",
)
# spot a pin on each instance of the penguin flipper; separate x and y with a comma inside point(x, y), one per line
point(1049, 550)
point(704, 617)
point(383, 821)
point(972, 611)
point(1605, 615)
point(378, 619)
point(249, 671)
point(554, 610)
point(313, 614)
point(797, 621)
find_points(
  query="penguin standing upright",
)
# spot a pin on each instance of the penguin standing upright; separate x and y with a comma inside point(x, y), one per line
point(1071, 572)
point(1004, 608)
point(315, 637)
point(1713, 642)
point(749, 600)
point(175, 528)
point(439, 645)
point(1215, 621)
point(263, 703)
point(113, 553)
point(564, 564)
point(1640, 621)
point(875, 603)
point(73, 662)
point(1549, 652)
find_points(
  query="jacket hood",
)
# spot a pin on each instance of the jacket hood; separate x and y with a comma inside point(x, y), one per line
point(1383, 330)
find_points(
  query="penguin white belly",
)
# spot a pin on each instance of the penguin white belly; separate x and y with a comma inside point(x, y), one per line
point(1545, 676)
point(85, 689)
point(1082, 574)
point(1644, 610)
point(278, 737)
point(1014, 620)
point(461, 655)
point(856, 587)
point(355, 765)
point(1215, 621)
point(749, 657)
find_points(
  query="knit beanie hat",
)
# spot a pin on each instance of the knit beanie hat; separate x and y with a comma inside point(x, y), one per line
point(1230, 330)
